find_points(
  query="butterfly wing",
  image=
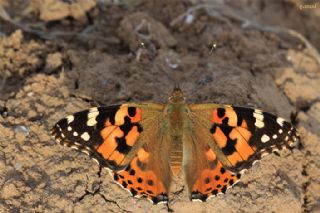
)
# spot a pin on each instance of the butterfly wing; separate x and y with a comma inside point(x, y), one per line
point(126, 139)
point(204, 171)
point(149, 174)
point(232, 139)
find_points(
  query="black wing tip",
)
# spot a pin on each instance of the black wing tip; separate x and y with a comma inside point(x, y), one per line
point(56, 133)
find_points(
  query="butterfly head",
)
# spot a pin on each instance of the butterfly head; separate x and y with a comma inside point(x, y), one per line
point(176, 96)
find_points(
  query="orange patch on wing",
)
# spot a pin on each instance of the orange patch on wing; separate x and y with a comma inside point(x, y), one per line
point(142, 182)
point(220, 138)
point(232, 115)
point(105, 132)
point(234, 158)
point(109, 144)
point(117, 157)
point(211, 181)
point(137, 116)
point(229, 113)
point(106, 149)
point(240, 132)
point(215, 118)
point(108, 123)
point(143, 155)
point(200, 184)
point(244, 124)
point(157, 186)
point(120, 115)
point(132, 136)
point(211, 156)
point(243, 136)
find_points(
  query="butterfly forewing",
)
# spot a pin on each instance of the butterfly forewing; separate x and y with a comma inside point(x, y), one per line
point(105, 133)
point(117, 138)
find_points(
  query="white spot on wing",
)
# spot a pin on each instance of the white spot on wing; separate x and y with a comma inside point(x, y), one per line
point(88, 149)
point(70, 118)
point(265, 138)
point(280, 131)
point(69, 128)
point(92, 115)
point(59, 128)
point(258, 111)
point(93, 110)
point(259, 124)
point(85, 151)
point(95, 160)
point(91, 122)
point(77, 144)
point(75, 134)
point(75, 147)
point(280, 121)
point(259, 118)
point(274, 136)
point(85, 136)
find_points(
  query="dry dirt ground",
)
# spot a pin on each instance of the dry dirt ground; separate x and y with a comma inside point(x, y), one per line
point(59, 57)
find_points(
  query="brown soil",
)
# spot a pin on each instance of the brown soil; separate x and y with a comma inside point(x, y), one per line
point(110, 52)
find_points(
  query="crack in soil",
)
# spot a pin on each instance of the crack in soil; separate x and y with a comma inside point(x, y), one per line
point(97, 192)
point(168, 207)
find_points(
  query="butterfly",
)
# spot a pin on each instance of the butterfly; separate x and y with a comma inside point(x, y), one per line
point(146, 145)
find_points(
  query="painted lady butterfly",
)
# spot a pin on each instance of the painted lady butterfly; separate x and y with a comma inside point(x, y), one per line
point(147, 144)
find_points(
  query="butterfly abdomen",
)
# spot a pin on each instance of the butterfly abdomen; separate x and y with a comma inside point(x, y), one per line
point(177, 122)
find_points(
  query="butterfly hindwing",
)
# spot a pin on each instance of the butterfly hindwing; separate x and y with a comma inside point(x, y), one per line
point(205, 174)
point(144, 180)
